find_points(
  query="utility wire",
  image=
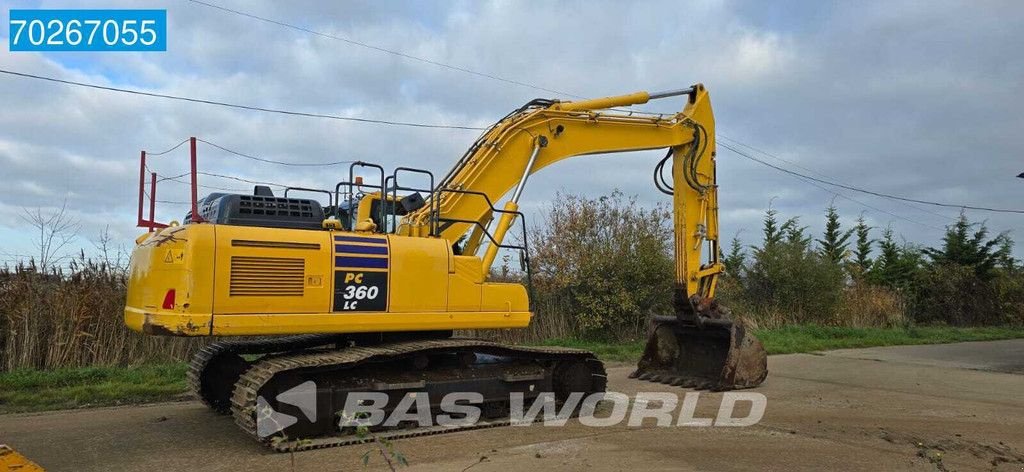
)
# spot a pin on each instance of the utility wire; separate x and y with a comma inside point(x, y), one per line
point(819, 174)
point(246, 156)
point(869, 192)
point(425, 125)
point(865, 205)
point(238, 106)
point(410, 56)
point(177, 179)
point(170, 202)
point(295, 164)
point(385, 50)
point(256, 182)
point(173, 177)
point(536, 87)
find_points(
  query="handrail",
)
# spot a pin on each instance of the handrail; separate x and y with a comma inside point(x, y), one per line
point(525, 256)
point(330, 196)
point(352, 183)
point(396, 188)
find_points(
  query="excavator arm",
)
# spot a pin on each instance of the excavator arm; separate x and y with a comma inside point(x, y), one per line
point(545, 132)
point(699, 344)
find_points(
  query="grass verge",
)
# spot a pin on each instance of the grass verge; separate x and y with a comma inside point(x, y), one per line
point(796, 339)
point(36, 390)
point(33, 390)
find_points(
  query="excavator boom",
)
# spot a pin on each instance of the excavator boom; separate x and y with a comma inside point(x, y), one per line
point(699, 344)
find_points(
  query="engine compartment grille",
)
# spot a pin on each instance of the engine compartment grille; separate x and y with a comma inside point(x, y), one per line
point(267, 276)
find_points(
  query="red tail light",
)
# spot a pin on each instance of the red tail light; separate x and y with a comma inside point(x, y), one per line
point(169, 300)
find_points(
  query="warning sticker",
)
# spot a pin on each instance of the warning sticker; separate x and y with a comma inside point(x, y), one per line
point(174, 256)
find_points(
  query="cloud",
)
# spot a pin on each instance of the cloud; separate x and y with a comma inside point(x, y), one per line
point(912, 99)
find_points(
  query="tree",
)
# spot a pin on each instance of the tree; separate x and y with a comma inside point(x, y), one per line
point(770, 229)
point(862, 248)
point(964, 245)
point(795, 234)
point(897, 265)
point(835, 241)
point(786, 277)
point(1007, 263)
point(56, 229)
point(737, 257)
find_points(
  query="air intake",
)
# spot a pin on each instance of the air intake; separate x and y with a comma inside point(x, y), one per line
point(267, 276)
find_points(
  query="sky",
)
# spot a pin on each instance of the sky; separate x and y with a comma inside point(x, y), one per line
point(920, 99)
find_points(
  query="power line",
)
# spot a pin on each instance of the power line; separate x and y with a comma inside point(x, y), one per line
point(865, 205)
point(536, 87)
point(238, 106)
point(795, 164)
point(425, 125)
point(388, 51)
point(294, 164)
point(173, 177)
point(177, 179)
point(869, 192)
point(255, 182)
point(169, 202)
point(410, 56)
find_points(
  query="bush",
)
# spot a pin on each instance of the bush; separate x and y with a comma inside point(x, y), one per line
point(954, 294)
point(1009, 291)
point(970, 279)
point(786, 280)
point(604, 263)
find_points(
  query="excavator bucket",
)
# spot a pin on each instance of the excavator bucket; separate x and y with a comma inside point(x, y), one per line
point(718, 355)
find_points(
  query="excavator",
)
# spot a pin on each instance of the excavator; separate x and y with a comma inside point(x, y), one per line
point(367, 293)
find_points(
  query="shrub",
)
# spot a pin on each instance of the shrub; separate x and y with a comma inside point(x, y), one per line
point(606, 262)
point(787, 281)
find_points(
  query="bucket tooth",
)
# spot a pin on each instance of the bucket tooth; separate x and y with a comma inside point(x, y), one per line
point(688, 383)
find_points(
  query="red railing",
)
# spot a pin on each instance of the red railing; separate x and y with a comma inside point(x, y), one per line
point(151, 223)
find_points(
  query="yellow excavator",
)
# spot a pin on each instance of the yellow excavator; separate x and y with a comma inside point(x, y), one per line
point(364, 294)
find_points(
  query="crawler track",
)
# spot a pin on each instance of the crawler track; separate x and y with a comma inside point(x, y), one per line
point(203, 360)
point(338, 367)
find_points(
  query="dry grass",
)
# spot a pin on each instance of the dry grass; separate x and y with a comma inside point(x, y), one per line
point(861, 306)
point(871, 306)
point(58, 320)
point(54, 320)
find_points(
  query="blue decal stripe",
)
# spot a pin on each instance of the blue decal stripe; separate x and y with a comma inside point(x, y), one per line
point(361, 249)
point(356, 239)
point(360, 262)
